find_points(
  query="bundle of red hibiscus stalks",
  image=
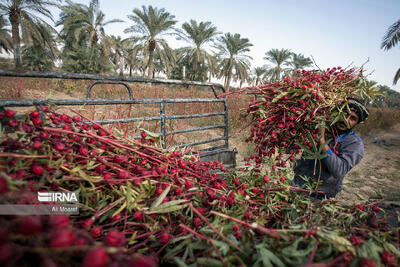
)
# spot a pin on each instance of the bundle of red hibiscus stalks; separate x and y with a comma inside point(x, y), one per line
point(140, 205)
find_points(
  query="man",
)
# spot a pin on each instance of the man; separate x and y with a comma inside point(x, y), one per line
point(342, 154)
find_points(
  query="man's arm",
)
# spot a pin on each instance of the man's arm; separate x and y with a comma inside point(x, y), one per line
point(351, 153)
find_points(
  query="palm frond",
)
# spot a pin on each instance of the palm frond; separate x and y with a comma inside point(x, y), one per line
point(396, 77)
point(392, 36)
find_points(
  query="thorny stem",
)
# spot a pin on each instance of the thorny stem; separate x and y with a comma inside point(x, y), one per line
point(205, 239)
point(21, 156)
point(256, 226)
point(215, 230)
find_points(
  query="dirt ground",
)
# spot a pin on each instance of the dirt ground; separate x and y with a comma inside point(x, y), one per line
point(377, 176)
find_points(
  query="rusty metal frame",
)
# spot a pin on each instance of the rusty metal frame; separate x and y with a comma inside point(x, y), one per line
point(120, 80)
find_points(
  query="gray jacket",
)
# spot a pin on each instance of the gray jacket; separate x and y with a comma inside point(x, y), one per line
point(334, 166)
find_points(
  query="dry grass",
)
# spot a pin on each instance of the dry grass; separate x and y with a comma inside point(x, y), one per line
point(379, 119)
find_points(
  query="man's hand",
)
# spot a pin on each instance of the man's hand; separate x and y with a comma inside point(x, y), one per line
point(321, 136)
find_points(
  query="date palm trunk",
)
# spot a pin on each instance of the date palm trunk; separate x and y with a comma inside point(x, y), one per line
point(14, 19)
point(229, 75)
point(152, 47)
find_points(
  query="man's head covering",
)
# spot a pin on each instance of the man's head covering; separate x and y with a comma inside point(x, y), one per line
point(356, 106)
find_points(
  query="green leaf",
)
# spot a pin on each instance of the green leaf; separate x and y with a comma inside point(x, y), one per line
point(176, 249)
point(339, 243)
point(279, 96)
point(360, 197)
point(311, 139)
point(337, 118)
point(169, 206)
point(159, 200)
point(222, 247)
point(149, 134)
point(268, 258)
point(209, 262)
point(132, 238)
point(370, 250)
point(180, 262)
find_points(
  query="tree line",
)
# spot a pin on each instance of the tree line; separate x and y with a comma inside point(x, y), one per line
point(83, 46)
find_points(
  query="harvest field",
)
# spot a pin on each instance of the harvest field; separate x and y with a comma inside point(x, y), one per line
point(377, 175)
point(288, 228)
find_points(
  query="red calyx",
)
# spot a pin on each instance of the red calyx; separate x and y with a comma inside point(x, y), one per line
point(178, 191)
point(83, 151)
point(62, 238)
point(115, 238)
point(188, 184)
point(5, 254)
point(123, 174)
point(388, 258)
point(9, 113)
point(138, 216)
point(360, 207)
point(116, 217)
point(96, 232)
point(80, 241)
point(107, 176)
point(59, 221)
point(164, 238)
point(30, 225)
point(237, 234)
point(37, 144)
point(96, 257)
point(143, 261)
point(36, 121)
point(87, 223)
point(100, 169)
point(197, 222)
point(37, 169)
point(3, 185)
point(367, 262)
point(59, 146)
point(376, 208)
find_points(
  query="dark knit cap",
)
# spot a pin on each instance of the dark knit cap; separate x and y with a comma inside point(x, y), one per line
point(356, 106)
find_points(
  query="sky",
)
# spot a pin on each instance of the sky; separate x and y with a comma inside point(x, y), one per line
point(333, 32)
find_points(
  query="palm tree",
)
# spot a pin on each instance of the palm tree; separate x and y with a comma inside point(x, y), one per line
point(198, 35)
point(242, 73)
point(390, 39)
point(280, 58)
point(299, 61)
point(40, 51)
point(133, 57)
point(259, 72)
point(232, 49)
point(5, 37)
point(213, 66)
point(85, 59)
point(81, 21)
point(38, 58)
point(22, 14)
point(149, 24)
point(118, 51)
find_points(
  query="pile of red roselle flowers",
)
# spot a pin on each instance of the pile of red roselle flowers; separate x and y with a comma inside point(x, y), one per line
point(143, 206)
point(286, 114)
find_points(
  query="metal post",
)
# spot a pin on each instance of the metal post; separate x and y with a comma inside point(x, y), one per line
point(162, 116)
point(226, 123)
